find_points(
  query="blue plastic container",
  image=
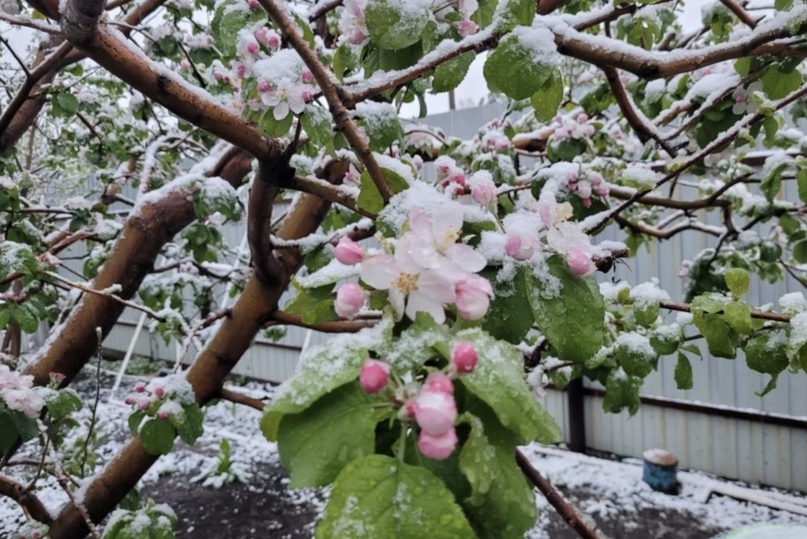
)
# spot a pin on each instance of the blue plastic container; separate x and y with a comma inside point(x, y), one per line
point(660, 469)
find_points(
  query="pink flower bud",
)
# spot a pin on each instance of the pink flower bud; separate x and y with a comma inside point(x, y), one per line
point(435, 411)
point(129, 401)
point(595, 179)
point(356, 36)
point(162, 414)
point(273, 40)
point(579, 261)
point(36, 534)
point(308, 96)
point(439, 382)
point(484, 192)
point(253, 48)
point(184, 65)
point(582, 118)
point(140, 387)
point(601, 190)
point(584, 189)
point(437, 447)
point(308, 77)
point(473, 297)
point(443, 166)
point(466, 28)
point(588, 130)
point(373, 376)
point(264, 86)
point(143, 404)
point(261, 34)
point(519, 246)
point(159, 392)
point(348, 252)
point(464, 356)
point(571, 186)
point(587, 202)
point(253, 4)
point(349, 300)
point(240, 70)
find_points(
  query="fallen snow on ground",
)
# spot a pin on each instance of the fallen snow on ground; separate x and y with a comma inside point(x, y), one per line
point(617, 489)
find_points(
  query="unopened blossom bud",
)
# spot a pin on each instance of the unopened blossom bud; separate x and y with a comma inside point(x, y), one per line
point(356, 36)
point(241, 70)
point(587, 202)
point(601, 190)
point(579, 261)
point(348, 252)
point(519, 247)
point(162, 414)
point(140, 387)
point(595, 179)
point(473, 297)
point(466, 28)
point(582, 118)
point(264, 86)
point(349, 300)
point(437, 381)
point(308, 77)
point(437, 447)
point(253, 48)
point(456, 176)
point(484, 191)
point(584, 189)
point(307, 95)
point(435, 411)
point(159, 392)
point(373, 376)
point(464, 357)
point(588, 130)
point(184, 65)
point(253, 4)
point(128, 401)
point(443, 165)
point(143, 404)
point(261, 34)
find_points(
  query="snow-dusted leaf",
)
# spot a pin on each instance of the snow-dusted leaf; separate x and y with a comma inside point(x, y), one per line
point(378, 496)
point(569, 311)
point(396, 24)
point(157, 436)
point(549, 97)
point(683, 372)
point(316, 443)
point(498, 380)
point(766, 353)
point(449, 75)
point(522, 63)
point(369, 197)
point(502, 504)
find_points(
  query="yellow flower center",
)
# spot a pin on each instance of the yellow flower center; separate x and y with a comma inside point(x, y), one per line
point(406, 283)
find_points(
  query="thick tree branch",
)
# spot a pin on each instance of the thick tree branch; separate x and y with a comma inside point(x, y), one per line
point(80, 19)
point(265, 188)
point(740, 12)
point(637, 120)
point(26, 499)
point(206, 375)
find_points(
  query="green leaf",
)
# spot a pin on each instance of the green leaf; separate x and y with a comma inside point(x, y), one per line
point(509, 317)
point(513, 13)
point(418, 343)
point(157, 436)
point(767, 354)
point(192, 426)
point(134, 421)
point(547, 100)
point(382, 125)
point(683, 372)
point(721, 339)
point(377, 496)
point(498, 380)
point(394, 24)
point(320, 370)
point(317, 124)
point(621, 392)
point(777, 83)
point(635, 355)
point(801, 178)
point(315, 305)
point(738, 281)
point(8, 432)
point(800, 252)
point(570, 316)
point(65, 104)
point(515, 69)
point(738, 315)
point(369, 198)
point(23, 317)
point(273, 127)
point(317, 443)
point(62, 403)
point(502, 503)
point(771, 385)
point(449, 75)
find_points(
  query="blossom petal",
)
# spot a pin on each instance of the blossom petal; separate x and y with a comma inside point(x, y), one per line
point(379, 271)
point(466, 257)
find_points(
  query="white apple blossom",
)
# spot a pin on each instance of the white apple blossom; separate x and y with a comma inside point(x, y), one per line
point(287, 95)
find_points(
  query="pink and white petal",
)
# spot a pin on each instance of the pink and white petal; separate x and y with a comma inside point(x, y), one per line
point(466, 257)
point(437, 285)
point(422, 302)
point(281, 110)
point(396, 299)
point(379, 271)
point(446, 224)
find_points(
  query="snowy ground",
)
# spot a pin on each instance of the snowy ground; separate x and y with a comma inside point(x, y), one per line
point(611, 493)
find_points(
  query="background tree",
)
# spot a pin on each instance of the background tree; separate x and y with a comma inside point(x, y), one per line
point(192, 114)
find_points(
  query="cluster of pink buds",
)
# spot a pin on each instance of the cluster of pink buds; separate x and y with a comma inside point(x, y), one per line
point(450, 177)
point(592, 184)
point(56, 379)
point(144, 395)
point(433, 408)
point(567, 127)
point(268, 38)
